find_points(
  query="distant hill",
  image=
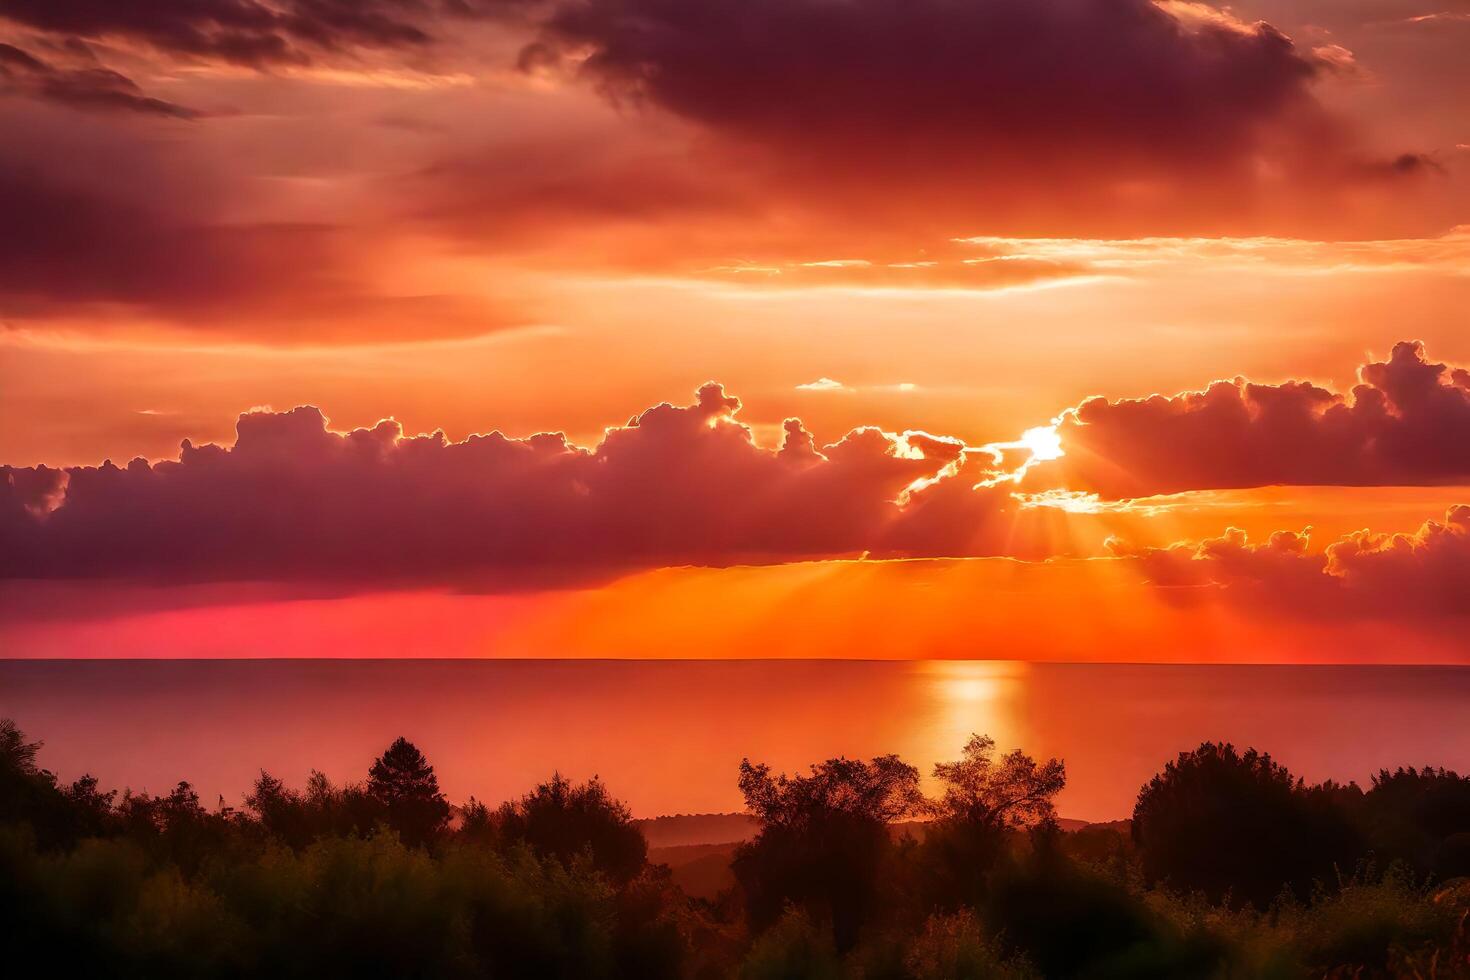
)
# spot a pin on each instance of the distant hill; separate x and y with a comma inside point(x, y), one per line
point(702, 870)
point(684, 829)
point(689, 829)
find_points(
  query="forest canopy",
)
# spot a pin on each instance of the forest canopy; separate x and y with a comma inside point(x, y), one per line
point(1229, 866)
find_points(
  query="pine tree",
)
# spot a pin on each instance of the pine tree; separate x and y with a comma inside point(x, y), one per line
point(403, 783)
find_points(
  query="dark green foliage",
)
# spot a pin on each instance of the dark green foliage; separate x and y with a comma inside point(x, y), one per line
point(58, 815)
point(1071, 920)
point(372, 880)
point(986, 802)
point(297, 818)
point(346, 907)
point(1422, 818)
point(477, 822)
point(956, 947)
point(824, 842)
point(793, 949)
point(566, 822)
point(403, 783)
point(1365, 923)
point(1240, 828)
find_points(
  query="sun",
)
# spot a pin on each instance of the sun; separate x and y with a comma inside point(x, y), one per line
point(1043, 442)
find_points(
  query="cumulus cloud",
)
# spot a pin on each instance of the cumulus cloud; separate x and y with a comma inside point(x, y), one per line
point(1426, 571)
point(1407, 422)
point(293, 500)
point(678, 484)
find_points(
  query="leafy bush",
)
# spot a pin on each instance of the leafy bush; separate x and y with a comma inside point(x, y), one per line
point(792, 949)
point(1366, 922)
point(954, 947)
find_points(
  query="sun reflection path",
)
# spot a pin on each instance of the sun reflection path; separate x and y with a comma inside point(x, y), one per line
point(967, 697)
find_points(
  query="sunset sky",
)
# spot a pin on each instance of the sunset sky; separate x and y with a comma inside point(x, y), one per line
point(1045, 329)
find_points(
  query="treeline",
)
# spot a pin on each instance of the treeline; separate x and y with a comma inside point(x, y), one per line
point(1231, 867)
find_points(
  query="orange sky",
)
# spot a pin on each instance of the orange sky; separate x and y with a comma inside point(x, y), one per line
point(539, 217)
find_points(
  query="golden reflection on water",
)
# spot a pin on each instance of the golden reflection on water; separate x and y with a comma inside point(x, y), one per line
point(668, 737)
point(966, 697)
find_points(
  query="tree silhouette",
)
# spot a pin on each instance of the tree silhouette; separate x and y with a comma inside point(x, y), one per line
point(477, 822)
point(1011, 792)
point(985, 801)
point(27, 792)
point(824, 839)
point(883, 790)
point(58, 815)
point(555, 884)
point(16, 754)
point(282, 811)
point(1422, 817)
point(1239, 826)
point(564, 821)
point(91, 809)
point(403, 783)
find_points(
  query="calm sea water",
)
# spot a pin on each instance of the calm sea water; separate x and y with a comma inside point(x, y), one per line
point(667, 736)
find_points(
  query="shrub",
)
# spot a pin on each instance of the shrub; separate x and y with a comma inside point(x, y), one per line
point(953, 947)
point(792, 949)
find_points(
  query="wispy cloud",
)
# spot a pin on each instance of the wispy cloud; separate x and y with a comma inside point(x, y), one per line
point(1293, 256)
point(823, 384)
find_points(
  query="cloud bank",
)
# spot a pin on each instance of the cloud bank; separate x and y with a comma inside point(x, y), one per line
point(174, 230)
point(689, 484)
point(1407, 422)
point(677, 484)
point(1423, 572)
point(254, 146)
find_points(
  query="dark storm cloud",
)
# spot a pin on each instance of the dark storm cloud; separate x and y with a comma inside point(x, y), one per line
point(1094, 84)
